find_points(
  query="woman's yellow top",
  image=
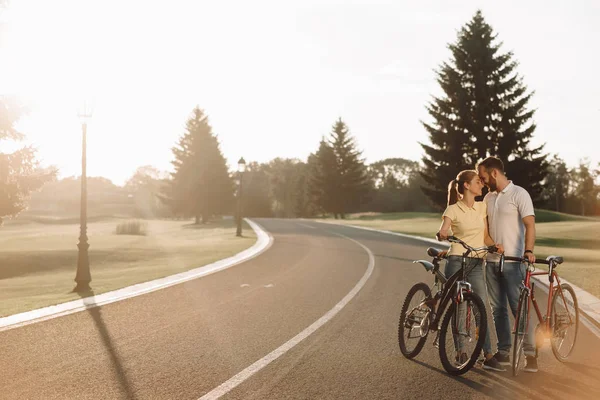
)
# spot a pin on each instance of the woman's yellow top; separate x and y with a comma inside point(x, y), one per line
point(468, 224)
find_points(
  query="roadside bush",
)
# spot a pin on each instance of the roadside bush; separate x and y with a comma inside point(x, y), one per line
point(132, 228)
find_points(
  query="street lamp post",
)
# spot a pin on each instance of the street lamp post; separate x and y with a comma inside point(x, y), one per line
point(83, 276)
point(241, 169)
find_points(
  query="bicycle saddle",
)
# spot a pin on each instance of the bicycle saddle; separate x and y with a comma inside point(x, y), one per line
point(557, 259)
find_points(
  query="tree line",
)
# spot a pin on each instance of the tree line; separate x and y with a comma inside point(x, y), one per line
point(483, 110)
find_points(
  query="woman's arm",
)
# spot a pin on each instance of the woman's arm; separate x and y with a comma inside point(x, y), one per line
point(487, 239)
point(443, 232)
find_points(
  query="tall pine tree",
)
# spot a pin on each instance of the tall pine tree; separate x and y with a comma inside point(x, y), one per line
point(483, 111)
point(339, 176)
point(323, 178)
point(200, 186)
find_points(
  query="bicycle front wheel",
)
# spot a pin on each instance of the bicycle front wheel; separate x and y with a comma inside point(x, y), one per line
point(413, 327)
point(564, 321)
point(462, 334)
point(518, 359)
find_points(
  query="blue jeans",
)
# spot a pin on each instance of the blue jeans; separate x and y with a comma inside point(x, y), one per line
point(507, 289)
point(477, 281)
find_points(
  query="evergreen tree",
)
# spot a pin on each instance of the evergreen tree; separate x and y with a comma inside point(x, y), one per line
point(338, 174)
point(354, 183)
point(324, 180)
point(20, 172)
point(483, 112)
point(201, 185)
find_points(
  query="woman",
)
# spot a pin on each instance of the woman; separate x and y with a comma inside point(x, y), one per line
point(468, 221)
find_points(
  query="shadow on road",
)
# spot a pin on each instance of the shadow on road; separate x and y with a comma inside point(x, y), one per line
point(587, 370)
point(543, 385)
point(539, 386)
point(96, 314)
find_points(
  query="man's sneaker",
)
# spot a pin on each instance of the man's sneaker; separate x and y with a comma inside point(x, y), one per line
point(492, 364)
point(531, 365)
point(502, 359)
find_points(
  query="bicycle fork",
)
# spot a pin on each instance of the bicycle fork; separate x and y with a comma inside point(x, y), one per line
point(461, 288)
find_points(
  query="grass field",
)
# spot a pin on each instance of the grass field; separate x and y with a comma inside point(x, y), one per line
point(38, 259)
point(575, 238)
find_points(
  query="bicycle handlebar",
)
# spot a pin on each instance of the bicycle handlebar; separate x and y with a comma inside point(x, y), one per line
point(454, 239)
point(523, 259)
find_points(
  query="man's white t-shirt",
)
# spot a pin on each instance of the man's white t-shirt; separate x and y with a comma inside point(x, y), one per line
point(505, 211)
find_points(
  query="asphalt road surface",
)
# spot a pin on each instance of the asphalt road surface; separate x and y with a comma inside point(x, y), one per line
point(314, 317)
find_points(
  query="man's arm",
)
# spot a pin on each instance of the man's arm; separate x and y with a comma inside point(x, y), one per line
point(529, 222)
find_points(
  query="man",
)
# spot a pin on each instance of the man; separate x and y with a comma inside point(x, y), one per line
point(511, 220)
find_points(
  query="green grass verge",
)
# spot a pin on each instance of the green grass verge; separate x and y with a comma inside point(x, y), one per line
point(575, 238)
point(38, 261)
point(553, 216)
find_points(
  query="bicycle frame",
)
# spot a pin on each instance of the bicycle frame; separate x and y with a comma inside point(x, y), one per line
point(446, 292)
point(544, 320)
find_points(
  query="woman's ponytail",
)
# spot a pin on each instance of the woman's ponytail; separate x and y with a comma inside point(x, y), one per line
point(452, 192)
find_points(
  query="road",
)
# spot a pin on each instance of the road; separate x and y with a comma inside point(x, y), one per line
point(187, 341)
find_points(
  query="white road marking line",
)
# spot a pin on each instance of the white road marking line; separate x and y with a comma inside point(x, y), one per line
point(269, 285)
point(244, 285)
point(305, 225)
point(230, 384)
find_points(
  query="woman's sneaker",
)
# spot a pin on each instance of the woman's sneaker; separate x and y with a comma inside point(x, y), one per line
point(502, 359)
point(491, 364)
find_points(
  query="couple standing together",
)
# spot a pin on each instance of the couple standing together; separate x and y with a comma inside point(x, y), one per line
point(506, 219)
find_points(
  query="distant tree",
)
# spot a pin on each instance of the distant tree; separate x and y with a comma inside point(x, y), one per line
point(354, 181)
point(339, 176)
point(398, 170)
point(20, 172)
point(483, 111)
point(584, 187)
point(62, 197)
point(323, 178)
point(201, 185)
point(284, 176)
point(304, 201)
point(397, 186)
point(256, 191)
point(557, 184)
point(145, 187)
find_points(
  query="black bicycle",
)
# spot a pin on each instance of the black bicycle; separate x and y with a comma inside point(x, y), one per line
point(466, 315)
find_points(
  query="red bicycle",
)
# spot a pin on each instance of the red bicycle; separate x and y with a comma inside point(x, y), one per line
point(561, 322)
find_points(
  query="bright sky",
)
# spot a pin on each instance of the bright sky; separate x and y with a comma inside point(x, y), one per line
point(273, 76)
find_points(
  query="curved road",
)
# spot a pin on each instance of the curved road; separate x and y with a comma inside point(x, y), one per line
point(188, 341)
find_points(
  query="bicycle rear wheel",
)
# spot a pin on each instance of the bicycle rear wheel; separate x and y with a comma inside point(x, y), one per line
point(564, 322)
point(462, 334)
point(518, 358)
point(413, 327)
